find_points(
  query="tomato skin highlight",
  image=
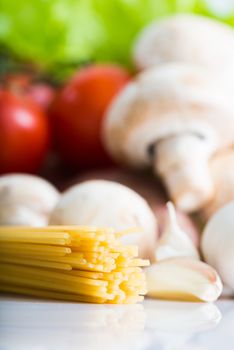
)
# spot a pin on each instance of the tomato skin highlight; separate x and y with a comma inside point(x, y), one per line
point(41, 93)
point(24, 134)
point(78, 111)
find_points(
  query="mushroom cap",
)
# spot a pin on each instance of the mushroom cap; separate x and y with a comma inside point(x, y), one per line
point(186, 38)
point(172, 99)
point(147, 186)
point(26, 200)
point(222, 172)
point(107, 204)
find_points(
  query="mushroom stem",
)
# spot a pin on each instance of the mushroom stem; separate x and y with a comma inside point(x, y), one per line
point(182, 162)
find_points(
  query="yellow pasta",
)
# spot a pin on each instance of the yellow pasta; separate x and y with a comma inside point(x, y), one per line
point(39, 249)
point(87, 274)
point(50, 295)
point(33, 281)
point(59, 238)
point(84, 264)
point(34, 262)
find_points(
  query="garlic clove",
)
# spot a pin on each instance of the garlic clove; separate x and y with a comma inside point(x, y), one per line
point(217, 243)
point(174, 241)
point(183, 279)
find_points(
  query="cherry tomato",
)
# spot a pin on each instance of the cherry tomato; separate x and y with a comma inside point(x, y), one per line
point(24, 134)
point(78, 111)
point(42, 93)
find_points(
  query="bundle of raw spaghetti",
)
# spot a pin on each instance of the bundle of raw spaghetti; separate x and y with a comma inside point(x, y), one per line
point(70, 263)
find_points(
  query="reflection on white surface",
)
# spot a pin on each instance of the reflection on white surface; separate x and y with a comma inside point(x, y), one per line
point(175, 323)
point(222, 338)
point(41, 325)
point(38, 325)
point(181, 317)
point(71, 315)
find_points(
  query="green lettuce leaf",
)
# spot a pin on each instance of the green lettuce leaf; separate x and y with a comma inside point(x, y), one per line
point(51, 31)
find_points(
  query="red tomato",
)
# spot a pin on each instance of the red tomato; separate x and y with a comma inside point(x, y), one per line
point(42, 93)
point(78, 110)
point(24, 134)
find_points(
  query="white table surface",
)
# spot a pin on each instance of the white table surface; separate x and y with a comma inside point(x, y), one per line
point(27, 324)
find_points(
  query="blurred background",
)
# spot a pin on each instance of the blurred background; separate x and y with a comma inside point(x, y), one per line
point(51, 33)
point(64, 67)
point(45, 42)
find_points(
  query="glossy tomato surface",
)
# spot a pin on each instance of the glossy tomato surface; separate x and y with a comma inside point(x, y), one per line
point(78, 111)
point(42, 93)
point(24, 134)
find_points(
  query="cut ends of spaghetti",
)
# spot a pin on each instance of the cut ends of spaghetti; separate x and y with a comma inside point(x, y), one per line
point(83, 264)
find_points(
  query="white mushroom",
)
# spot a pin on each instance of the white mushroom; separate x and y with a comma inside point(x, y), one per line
point(172, 118)
point(26, 200)
point(106, 203)
point(174, 242)
point(147, 186)
point(218, 243)
point(222, 172)
point(189, 39)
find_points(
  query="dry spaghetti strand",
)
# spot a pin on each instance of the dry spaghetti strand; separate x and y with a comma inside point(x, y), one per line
point(84, 264)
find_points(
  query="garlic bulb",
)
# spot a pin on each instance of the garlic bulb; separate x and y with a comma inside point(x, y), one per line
point(174, 242)
point(26, 200)
point(218, 243)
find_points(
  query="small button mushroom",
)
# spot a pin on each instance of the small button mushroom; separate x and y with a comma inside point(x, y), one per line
point(26, 200)
point(189, 39)
point(222, 172)
point(172, 118)
point(147, 186)
point(109, 204)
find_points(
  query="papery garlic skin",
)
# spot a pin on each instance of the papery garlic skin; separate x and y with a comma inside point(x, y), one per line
point(217, 243)
point(183, 279)
point(26, 200)
point(174, 242)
